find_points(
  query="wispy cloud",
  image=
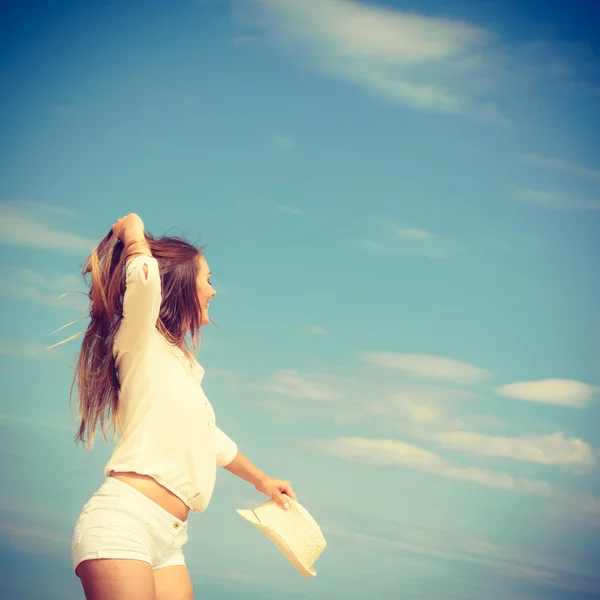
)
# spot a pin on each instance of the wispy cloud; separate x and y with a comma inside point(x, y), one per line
point(392, 238)
point(283, 141)
point(561, 164)
point(44, 289)
point(59, 421)
point(188, 100)
point(28, 224)
point(383, 401)
point(437, 64)
point(23, 537)
point(288, 210)
point(242, 40)
point(291, 383)
point(391, 452)
point(558, 200)
point(427, 366)
point(31, 350)
point(317, 330)
point(396, 55)
point(413, 408)
point(354, 385)
point(427, 418)
point(554, 449)
point(531, 561)
point(561, 392)
point(45, 210)
point(283, 412)
point(415, 234)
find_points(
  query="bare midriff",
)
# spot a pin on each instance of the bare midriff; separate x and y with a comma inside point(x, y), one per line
point(156, 492)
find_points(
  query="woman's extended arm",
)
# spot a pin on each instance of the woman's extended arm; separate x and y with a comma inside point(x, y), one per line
point(277, 489)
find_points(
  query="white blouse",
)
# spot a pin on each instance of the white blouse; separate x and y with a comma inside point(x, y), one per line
point(168, 424)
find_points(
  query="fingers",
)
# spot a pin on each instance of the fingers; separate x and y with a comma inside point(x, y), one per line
point(281, 491)
point(131, 221)
point(118, 228)
point(289, 491)
point(282, 500)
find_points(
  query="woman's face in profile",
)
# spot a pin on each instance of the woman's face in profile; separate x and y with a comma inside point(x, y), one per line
point(205, 289)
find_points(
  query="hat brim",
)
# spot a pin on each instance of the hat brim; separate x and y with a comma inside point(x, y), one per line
point(250, 516)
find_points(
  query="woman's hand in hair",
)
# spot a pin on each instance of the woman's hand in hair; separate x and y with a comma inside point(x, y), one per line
point(129, 228)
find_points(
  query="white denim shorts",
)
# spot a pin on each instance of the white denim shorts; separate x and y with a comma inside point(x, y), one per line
point(120, 522)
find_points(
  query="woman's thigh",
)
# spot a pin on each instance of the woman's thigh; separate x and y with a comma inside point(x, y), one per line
point(117, 579)
point(173, 583)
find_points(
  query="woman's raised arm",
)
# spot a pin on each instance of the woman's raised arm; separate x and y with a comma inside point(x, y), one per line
point(142, 300)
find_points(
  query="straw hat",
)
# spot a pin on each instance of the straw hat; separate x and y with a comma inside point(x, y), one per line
point(293, 531)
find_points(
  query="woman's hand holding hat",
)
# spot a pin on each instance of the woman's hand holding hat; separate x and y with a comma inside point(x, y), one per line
point(278, 489)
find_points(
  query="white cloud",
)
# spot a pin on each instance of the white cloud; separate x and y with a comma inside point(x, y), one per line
point(390, 452)
point(408, 409)
point(419, 234)
point(373, 246)
point(44, 289)
point(433, 413)
point(241, 40)
point(530, 561)
point(384, 452)
point(378, 401)
point(405, 406)
point(414, 415)
point(26, 224)
point(392, 238)
point(283, 141)
point(400, 56)
point(427, 366)
point(561, 392)
point(426, 63)
point(420, 241)
point(291, 383)
point(554, 449)
point(23, 537)
point(586, 505)
point(495, 479)
point(290, 210)
point(41, 208)
point(283, 412)
point(317, 330)
point(31, 350)
point(54, 422)
point(557, 200)
point(561, 164)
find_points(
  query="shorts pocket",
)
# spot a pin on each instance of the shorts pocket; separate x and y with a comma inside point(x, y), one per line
point(169, 535)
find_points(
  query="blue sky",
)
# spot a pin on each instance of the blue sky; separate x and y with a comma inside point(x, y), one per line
point(401, 203)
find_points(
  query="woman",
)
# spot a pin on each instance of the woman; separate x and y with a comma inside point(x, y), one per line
point(136, 370)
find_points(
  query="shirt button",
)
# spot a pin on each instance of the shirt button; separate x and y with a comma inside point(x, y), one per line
point(176, 525)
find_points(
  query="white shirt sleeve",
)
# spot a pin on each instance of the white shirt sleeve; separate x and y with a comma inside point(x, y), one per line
point(225, 446)
point(141, 302)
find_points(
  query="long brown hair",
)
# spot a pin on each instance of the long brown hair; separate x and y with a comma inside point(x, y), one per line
point(180, 315)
